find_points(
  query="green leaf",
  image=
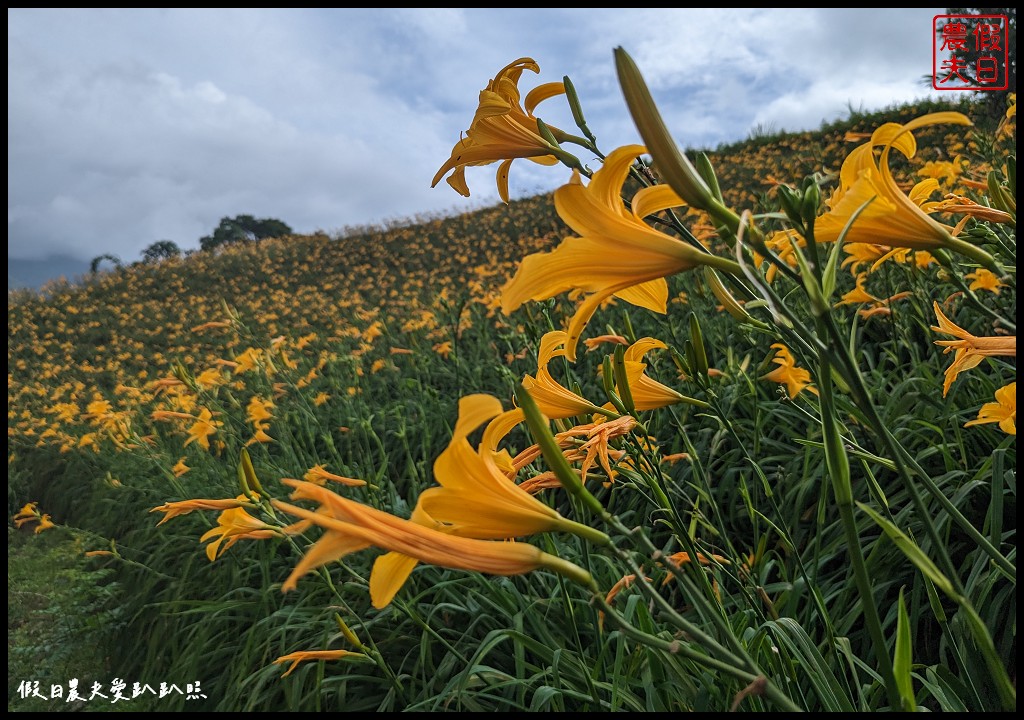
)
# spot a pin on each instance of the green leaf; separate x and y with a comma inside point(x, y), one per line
point(902, 660)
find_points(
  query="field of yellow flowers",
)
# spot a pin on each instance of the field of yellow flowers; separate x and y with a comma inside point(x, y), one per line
point(727, 431)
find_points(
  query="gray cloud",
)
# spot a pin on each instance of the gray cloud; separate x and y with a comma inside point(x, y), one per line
point(130, 126)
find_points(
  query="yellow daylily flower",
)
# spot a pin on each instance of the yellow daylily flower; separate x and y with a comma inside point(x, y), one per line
point(502, 129)
point(970, 349)
point(203, 427)
point(891, 217)
point(647, 393)
point(794, 378)
point(306, 655)
point(474, 496)
point(44, 524)
point(616, 253)
point(183, 507)
point(554, 400)
point(233, 525)
point(982, 279)
point(352, 526)
point(1002, 411)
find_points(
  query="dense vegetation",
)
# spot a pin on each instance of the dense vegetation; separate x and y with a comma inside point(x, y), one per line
point(145, 385)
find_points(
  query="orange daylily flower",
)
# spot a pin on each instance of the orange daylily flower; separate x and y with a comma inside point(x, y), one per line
point(202, 429)
point(306, 655)
point(647, 393)
point(162, 415)
point(554, 400)
point(260, 436)
point(183, 507)
point(876, 306)
point(317, 474)
point(502, 129)
point(890, 217)
point(28, 513)
point(474, 496)
point(593, 342)
point(676, 559)
point(615, 254)
point(352, 526)
point(258, 410)
point(216, 324)
point(233, 525)
point(970, 349)
point(794, 378)
point(960, 205)
point(1002, 411)
point(477, 497)
point(44, 524)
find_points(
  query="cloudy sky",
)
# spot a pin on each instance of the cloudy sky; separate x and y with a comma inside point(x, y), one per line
point(125, 127)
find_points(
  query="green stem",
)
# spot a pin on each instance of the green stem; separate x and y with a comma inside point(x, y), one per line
point(591, 535)
point(553, 454)
point(905, 463)
point(675, 647)
point(974, 253)
point(839, 472)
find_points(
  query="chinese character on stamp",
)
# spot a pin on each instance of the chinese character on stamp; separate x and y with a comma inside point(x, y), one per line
point(970, 52)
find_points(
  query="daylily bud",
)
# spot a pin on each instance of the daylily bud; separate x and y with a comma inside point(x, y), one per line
point(622, 380)
point(574, 102)
point(727, 299)
point(707, 172)
point(791, 201)
point(700, 354)
point(347, 632)
point(671, 164)
point(999, 196)
point(247, 475)
point(811, 201)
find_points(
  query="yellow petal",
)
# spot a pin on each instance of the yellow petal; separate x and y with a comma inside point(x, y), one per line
point(330, 547)
point(652, 295)
point(502, 179)
point(474, 411)
point(390, 571)
point(541, 93)
point(499, 427)
point(654, 199)
point(636, 351)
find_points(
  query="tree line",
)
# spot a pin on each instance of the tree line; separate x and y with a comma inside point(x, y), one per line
point(238, 229)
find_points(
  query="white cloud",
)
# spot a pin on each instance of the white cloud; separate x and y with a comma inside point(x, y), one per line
point(130, 126)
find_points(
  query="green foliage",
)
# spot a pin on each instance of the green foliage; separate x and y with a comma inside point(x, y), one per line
point(243, 228)
point(94, 264)
point(161, 250)
point(64, 615)
point(755, 488)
